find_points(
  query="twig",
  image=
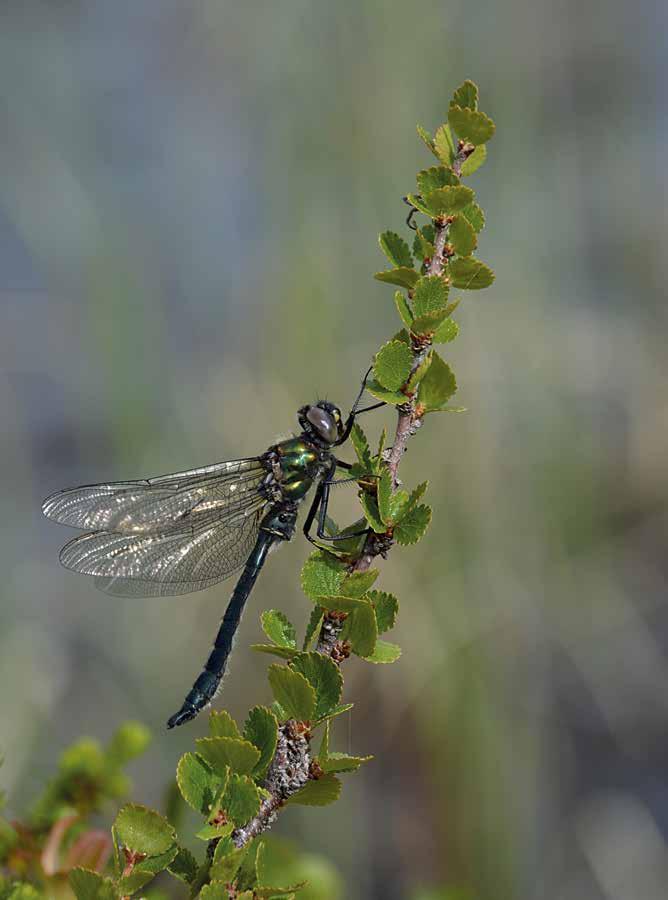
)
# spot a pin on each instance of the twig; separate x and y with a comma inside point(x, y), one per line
point(288, 773)
point(292, 766)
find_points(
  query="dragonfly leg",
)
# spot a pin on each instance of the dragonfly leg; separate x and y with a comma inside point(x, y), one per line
point(319, 509)
point(322, 516)
point(409, 219)
point(350, 421)
point(313, 511)
point(369, 408)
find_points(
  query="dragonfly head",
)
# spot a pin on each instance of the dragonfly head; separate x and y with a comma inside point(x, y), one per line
point(322, 421)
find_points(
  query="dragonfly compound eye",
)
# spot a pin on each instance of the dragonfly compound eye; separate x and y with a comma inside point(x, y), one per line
point(323, 422)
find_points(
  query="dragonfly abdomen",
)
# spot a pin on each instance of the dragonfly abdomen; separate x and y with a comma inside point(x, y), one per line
point(277, 525)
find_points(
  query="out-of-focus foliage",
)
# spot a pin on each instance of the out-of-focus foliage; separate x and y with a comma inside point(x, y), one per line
point(39, 849)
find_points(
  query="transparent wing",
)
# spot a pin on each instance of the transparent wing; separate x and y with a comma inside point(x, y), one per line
point(159, 504)
point(163, 564)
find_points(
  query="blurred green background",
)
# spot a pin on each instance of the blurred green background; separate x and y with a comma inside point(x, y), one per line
point(190, 195)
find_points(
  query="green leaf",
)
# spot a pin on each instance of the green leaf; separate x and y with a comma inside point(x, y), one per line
point(143, 830)
point(386, 607)
point(116, 849)
point(396, 249)
point(215, 890)
point(337, 711)
point(371, 512)
point(246, 878)
point(324, 677)
point(361, 630)
point(429, 180)
point(473, 162)
point(427, 138)
point(403, 309)
point(413, 525)
point(361, 447)
point(214, 832)
point(155, 864)
point(438, 385)
point(390, 502)
point(261, 729)
point(358, 583)
point(242, 800)
point(134, 881)
point(470, 125)
point(419, 204)
point(392, 365)
point(431, 295)
point(475, 215)
point(240, 755)
point(447, 200)
point(322, 792)
point(197, 782)
point(402, 276)
point(427, 324)
point(423, 244)
point(466, 95)
point(221, 724)
point(341, 762)
point(419, 373)
point(339, 603)
point(323, 752)
point(331, 527)
point(293, 692)
point(313, 627)
point(130, 741)
point(384, 653)
point(470, 274)
point(184, 866)
point(279, 629)
point(226, 861)
point(447, 331)
point(86, 885)
point(278, 711)
point(417, 494)
point(321, 575)
point(444, 145)
point(462, 236)
point(381, 393)
point(273, 650)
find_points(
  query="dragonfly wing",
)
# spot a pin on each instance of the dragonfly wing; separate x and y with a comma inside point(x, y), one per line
point(159, 504)
point(163, 564)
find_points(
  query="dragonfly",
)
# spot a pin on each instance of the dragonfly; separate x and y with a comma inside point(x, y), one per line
point(184, 532)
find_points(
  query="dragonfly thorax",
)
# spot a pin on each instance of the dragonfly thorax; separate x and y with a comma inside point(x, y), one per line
point(281, 520)
point(294, 464)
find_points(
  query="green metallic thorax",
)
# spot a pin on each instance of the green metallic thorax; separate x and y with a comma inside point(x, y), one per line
point(299, 464)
